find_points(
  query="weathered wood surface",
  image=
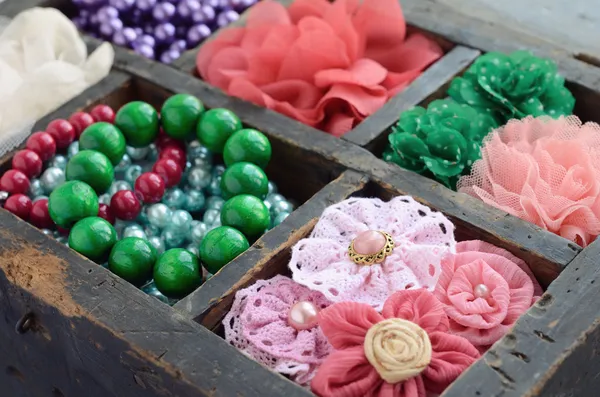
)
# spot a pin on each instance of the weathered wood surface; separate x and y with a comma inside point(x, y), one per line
point(95, 335)
point(268, 256)
point(552, 351)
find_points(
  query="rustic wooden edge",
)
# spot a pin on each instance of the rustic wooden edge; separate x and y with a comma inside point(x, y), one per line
point(94, 334)
point(96, 93)
point(208, 303)
point(552, 348)
point(427, 84)
point(501, 228)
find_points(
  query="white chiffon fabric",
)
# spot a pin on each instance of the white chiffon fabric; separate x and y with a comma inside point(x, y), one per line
point(43, 63)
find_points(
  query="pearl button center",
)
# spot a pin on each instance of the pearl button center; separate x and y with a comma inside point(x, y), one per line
point(303, 316)
point(481, 291)
point(369, 242)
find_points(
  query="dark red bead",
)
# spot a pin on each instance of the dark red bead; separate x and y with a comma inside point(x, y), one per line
point(169, 171)
point(19, 204)
point(14, 181)
point(103, 113)
point(43, 144)
point(105, 212)
point(125, 205)
point(39, 216)
point(62, 231)
point(163, 140)
point(62, 131)
point(150, 186)
point(80, 121)
point(28, 162)
point(175, 153)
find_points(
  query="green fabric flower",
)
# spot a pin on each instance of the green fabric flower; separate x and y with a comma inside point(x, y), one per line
point(513, 86)
point(441, 142)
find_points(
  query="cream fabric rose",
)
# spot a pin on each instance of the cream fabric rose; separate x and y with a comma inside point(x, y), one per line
point(398, 349)
point(43, 63)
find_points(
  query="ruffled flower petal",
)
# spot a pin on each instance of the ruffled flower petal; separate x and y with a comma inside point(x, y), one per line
point(422, 238)
point(417, 307)
point(346, 324)
point(544, 171)
point(257, 325)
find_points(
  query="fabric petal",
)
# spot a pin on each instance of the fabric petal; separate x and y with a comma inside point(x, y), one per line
point(418, 306)
point(345, 324)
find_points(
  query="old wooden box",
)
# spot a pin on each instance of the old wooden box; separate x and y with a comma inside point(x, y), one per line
point(70, 328)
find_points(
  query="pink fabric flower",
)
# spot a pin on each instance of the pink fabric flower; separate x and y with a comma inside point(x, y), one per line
point(349, 372)
point(328, 65)
point(421, 236)
point(257, 325)
point(544, 171)
point(484, 290)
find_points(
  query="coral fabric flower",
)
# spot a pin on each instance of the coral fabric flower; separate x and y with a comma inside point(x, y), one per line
point(258, 325)
point(328, 65)
point(484, 289)
point(403, 352)
point(513, 86)
point(544, 171)
point(441, 142)
point(421, 238)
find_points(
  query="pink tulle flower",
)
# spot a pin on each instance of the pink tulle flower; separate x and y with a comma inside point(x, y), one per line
point(403, 352)
point(257, 325)
point(421, 236)
point(326, 64)
point(544, 171)
point(484, 290)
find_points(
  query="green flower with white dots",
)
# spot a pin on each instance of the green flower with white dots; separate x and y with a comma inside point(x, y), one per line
point(441, 142)
point(513, 86)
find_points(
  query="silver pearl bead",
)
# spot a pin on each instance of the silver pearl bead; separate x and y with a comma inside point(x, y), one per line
point(159, 215)
point(214, 188)
point(59, 161)
point(73, 149)
point(132, 173)
point(174, 198)
point(52, 178)
point(134, 231)
point(193, 249)
point(47, 232)
point(281, 206)
point(211, 216)
point(272, 188)
point(218, 170)
point(151, 290)
point(152, 155)
point(117, 186)
point(180, 222)
point(3, 196)
point(123, 164)
point(196, 151)
point(63, 240)
point(197, 232)
point(279, 218)
point(137, 154)
point(215, 202)
point(273, 198)
point(199, 177)
point(194, 200)
point(35, 188)
point(104, 199)
point(151, 231)
point(172, 239)
point(158, 244)
point(267, 204)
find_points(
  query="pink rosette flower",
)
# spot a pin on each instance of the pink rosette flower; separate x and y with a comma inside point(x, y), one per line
point(544, 171)
point(326, 64)
point(484, 290)
point(275, 323)
point(403, 352)
point(421, 238)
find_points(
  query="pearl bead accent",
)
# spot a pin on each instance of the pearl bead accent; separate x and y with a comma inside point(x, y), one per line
point(481, 291)
point(303, 316)
point(369, 242)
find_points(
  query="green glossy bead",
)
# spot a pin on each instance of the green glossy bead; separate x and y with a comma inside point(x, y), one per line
point(247, 145)
point(244, 178)
point(72, 201)
point(177, 273)
point(91, 167)
point(93, 237)
point(180, 114)
point(104, 138)
point(220, 246)
point(139, 123)
point(246, 213)
point(215, 127)
point(133, 259)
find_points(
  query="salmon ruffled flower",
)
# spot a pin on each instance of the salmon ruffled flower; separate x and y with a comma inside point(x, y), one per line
point(403, 352)
point(326, 64)
point(544, 171)
point(484, 290)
